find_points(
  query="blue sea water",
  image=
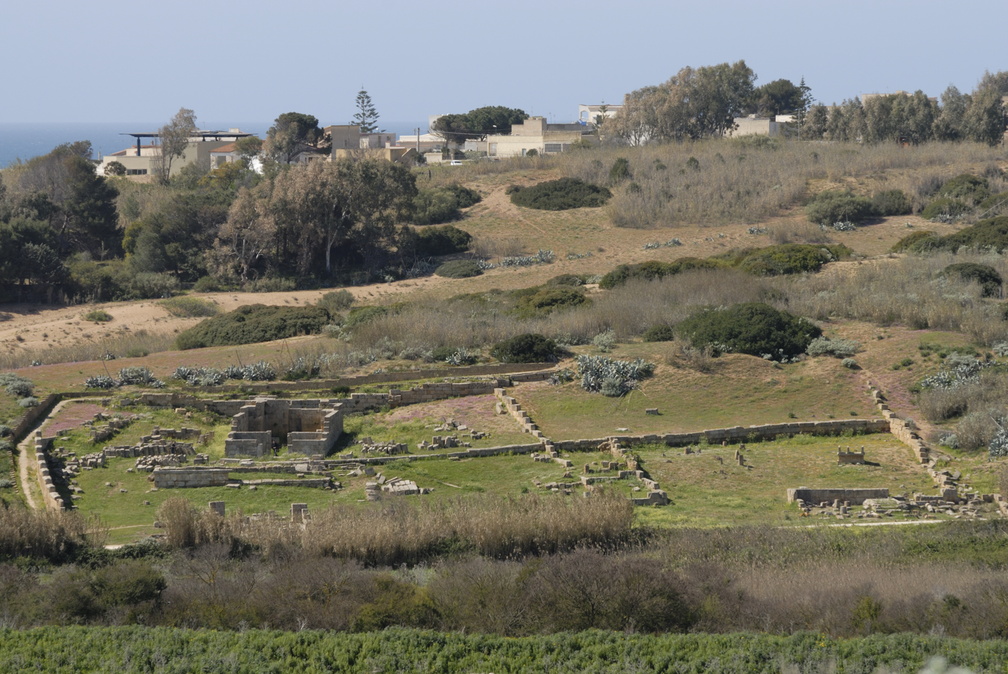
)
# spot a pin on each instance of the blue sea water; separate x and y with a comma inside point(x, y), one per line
point(22, 141)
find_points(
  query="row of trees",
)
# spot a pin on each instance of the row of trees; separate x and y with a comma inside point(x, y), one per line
point(915, 118)
point(704, 102)
point(701, 102)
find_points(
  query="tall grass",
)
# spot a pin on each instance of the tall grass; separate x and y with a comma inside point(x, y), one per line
point(44, 534)
point(744, 180)
point(909, 291)
point(121, 345)
point(399, 531)
point(628, 310)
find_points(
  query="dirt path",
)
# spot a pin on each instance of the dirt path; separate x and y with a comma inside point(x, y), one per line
point(23, 457)
point(26, 454)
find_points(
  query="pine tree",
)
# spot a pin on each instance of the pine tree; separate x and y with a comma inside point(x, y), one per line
point(366, 116)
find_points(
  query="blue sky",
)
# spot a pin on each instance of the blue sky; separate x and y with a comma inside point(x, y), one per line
point(116, 60)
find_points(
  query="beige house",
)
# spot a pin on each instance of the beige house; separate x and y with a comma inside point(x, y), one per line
point(535, 134)
point(139, 159)
point(756, 126)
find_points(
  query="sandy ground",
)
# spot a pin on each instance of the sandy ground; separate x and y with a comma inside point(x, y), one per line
point(496, 223)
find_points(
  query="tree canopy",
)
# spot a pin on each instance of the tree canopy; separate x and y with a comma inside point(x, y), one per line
point(478, 123)
point(695, 103)
point(291, 134)
point(174, 137)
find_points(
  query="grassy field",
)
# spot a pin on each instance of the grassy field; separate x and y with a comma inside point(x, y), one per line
point(740, 391)
point(711, 489)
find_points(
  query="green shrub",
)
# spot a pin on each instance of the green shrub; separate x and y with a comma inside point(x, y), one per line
point(360, 315)
point(561, 195)
point(829, 207)
point(336, 301)
point(526, 348)
point(653, 270)
point(459, 269)
point(209, 284)
point(753, 328)
point(571, 280)
point(254, 323)
point(620, 171)
point(271, 284)
point(190, 307)
point(17, 386)
point(986, 276)
point(840, 348)
point(990, 234)
point(966, 188)
point(891, 202)
point(659, 333)
point(98, 316)
point(994, 204)
point(446, 240)
point(916, 242)
point(790, 258)
point(944, 209)
point(544, 300)
point(436, 205)
point(150, 285)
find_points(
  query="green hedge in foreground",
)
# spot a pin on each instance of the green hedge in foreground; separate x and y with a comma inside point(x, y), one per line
point(139, 649)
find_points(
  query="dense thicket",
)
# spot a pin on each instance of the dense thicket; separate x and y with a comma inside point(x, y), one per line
point(560, 195)
point(753, 328)
point(254, 323)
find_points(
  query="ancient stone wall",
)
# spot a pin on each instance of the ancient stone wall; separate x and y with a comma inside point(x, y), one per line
point(180, 478)
point(736, 434)
point(49, 494)
point(852, 496)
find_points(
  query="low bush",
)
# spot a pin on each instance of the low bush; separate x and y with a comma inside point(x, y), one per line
point(653, 270)
point(459, 269)
point(254, 323)
point(98, 316)
point(990, 234)
point(526, 348)
point(659, 333)
point(571, 280)
point(944, 209)
point(539, 301)
point(612, 378)
point(916, 242)
point(891, 202)
point(561, 195)
point(829, 207)
point(446, 240)
point(190, 307)
point(361, 315)
point(839, 348)
point(752, 328)
point(620, 171)
point(984, 275)
point(436, 205)
point(16, 385)
point(336, 301)
point(150, 285)
point(966, 188)
point(271, 284)
point(790, 258)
